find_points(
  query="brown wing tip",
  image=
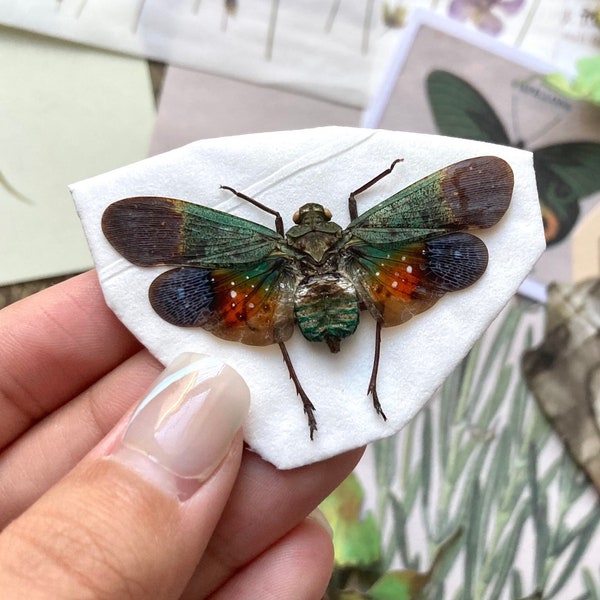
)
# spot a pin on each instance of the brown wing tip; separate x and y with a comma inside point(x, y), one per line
point(138, 229)
point(484, 185)
point(498, 179)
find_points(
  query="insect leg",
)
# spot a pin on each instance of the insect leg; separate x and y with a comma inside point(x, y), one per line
point(373, 381)
point(308, 405)
point(278, 219)
point(352, 198)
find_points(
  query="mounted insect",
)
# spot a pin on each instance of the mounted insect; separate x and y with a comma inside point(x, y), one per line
point(247, 283)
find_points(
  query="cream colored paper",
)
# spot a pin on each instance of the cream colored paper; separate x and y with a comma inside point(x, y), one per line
point(66, 112)
point(586, 248)
point(285, 170)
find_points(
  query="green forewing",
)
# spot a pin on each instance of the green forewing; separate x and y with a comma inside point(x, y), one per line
point(152, 231)
point(470, 194)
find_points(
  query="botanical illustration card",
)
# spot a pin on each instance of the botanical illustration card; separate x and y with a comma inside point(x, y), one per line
point(333, 50)
point(463, 84)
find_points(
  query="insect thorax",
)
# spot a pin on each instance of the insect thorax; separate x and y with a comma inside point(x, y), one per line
point(314, 234)
point(326, 305)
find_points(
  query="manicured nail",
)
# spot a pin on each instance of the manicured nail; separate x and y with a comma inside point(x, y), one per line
point(187, 422)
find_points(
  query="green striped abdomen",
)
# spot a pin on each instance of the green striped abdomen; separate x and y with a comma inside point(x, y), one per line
point(326, 308)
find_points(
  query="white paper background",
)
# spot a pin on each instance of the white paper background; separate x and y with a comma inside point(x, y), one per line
point(284, 170)
point(286, 44)
point(334, 50)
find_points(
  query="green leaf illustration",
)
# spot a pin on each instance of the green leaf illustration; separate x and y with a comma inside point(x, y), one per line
point(356, 538)
point(399, 585)
point(408, 584)
point(481, 458)
point(585, 85)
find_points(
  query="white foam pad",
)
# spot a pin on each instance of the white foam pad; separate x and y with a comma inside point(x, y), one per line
point(285, 170)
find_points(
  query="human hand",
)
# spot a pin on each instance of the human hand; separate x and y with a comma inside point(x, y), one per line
point(85, 513)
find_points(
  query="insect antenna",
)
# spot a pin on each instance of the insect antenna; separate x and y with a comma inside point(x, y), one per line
point(278, 219)
point(309, 407)
point(352, 198)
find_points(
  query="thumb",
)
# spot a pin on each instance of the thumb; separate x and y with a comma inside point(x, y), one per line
point(133, 518)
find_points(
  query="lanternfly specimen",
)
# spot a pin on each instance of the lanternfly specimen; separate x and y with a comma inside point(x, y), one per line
point(244, 282)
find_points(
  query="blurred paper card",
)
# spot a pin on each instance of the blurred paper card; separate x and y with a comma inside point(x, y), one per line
point(69, 112)
point(332, 50)
point(451, 80)
point(195, 106)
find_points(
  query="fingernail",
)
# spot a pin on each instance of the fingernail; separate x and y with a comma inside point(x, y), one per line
point(186, 423)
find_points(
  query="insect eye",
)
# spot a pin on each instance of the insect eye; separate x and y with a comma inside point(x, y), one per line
point(296, 217)
point(327, 213)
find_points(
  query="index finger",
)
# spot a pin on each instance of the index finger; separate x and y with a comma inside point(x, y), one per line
point(55, 344)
